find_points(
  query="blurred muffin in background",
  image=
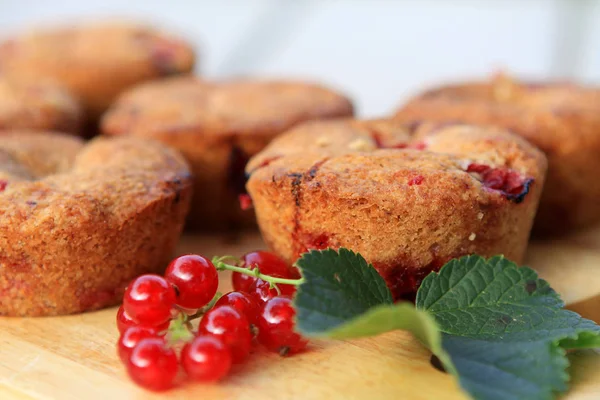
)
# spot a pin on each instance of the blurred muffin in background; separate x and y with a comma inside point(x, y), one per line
point(218, 126)
point(562, 119)
point(95, 61)
point(38, 105)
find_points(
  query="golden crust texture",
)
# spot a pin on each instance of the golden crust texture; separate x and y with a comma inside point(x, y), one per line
point(78, 222)
point(38, 106)
point(96, 61)
point(408, 202)
point(217, 127)
point(562, 119)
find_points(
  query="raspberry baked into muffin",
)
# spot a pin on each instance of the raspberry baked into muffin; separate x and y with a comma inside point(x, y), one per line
point(408, 204)
point(37, 106)
point(562, 119)
point(78, 222)
point(95, 61)
point(217, 126)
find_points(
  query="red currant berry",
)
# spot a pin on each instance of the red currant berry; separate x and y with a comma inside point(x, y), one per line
point(261, 291)
point(195, 278)
point(130, 338)
point(231, 327)
point(153, 365)
point(245, 201)
point(267, 263)
point(243, 303)
point(149, 299)
point(276, 327)
point(241, 282)
point(124, 321)
point(206, 359)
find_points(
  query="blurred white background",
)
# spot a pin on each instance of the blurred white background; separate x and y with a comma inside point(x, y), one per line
point(378, 51)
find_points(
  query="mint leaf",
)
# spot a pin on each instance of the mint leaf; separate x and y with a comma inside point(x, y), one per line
point(505, 329)
point(338, 286)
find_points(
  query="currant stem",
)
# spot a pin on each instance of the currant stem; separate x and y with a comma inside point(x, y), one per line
point(205, 309)
point(221, 266)
point(179, 331)
point(233, 259)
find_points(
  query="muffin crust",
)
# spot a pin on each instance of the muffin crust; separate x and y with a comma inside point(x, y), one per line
point(78, 222)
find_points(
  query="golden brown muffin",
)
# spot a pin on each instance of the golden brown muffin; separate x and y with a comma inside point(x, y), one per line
point(78, 222)
point(37, 106)
point(407, 204)
point(96, 61)
point(217, 127)
point(562, 119)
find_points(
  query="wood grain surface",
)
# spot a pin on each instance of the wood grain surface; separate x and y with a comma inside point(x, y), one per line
point(74, 357)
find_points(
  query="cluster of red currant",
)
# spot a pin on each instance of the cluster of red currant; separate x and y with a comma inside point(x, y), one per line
point(155, 318)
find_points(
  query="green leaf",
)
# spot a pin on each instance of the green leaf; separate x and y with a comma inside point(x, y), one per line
point(505, 329)
point(493, 370)
point(585, 340)
point(338, 286)
point(496, 300)
point(343, 297)
point(385, 318)
point(498, 328)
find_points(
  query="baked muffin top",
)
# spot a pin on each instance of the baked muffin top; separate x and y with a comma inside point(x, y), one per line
point(96, 55)
point(545, 113)
point(43, 172)
point(367, 153)
point(503, 89)
point(187, 105)
point(37, 106)
point(105, 43)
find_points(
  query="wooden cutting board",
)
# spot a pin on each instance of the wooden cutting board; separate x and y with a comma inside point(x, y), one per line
point(74, 357)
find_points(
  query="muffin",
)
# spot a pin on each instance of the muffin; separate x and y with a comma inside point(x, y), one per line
point(95, 61)
point(218, 126)
point(408, 202)
point(562, 119)
point(37, 106)
point(78, 222)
